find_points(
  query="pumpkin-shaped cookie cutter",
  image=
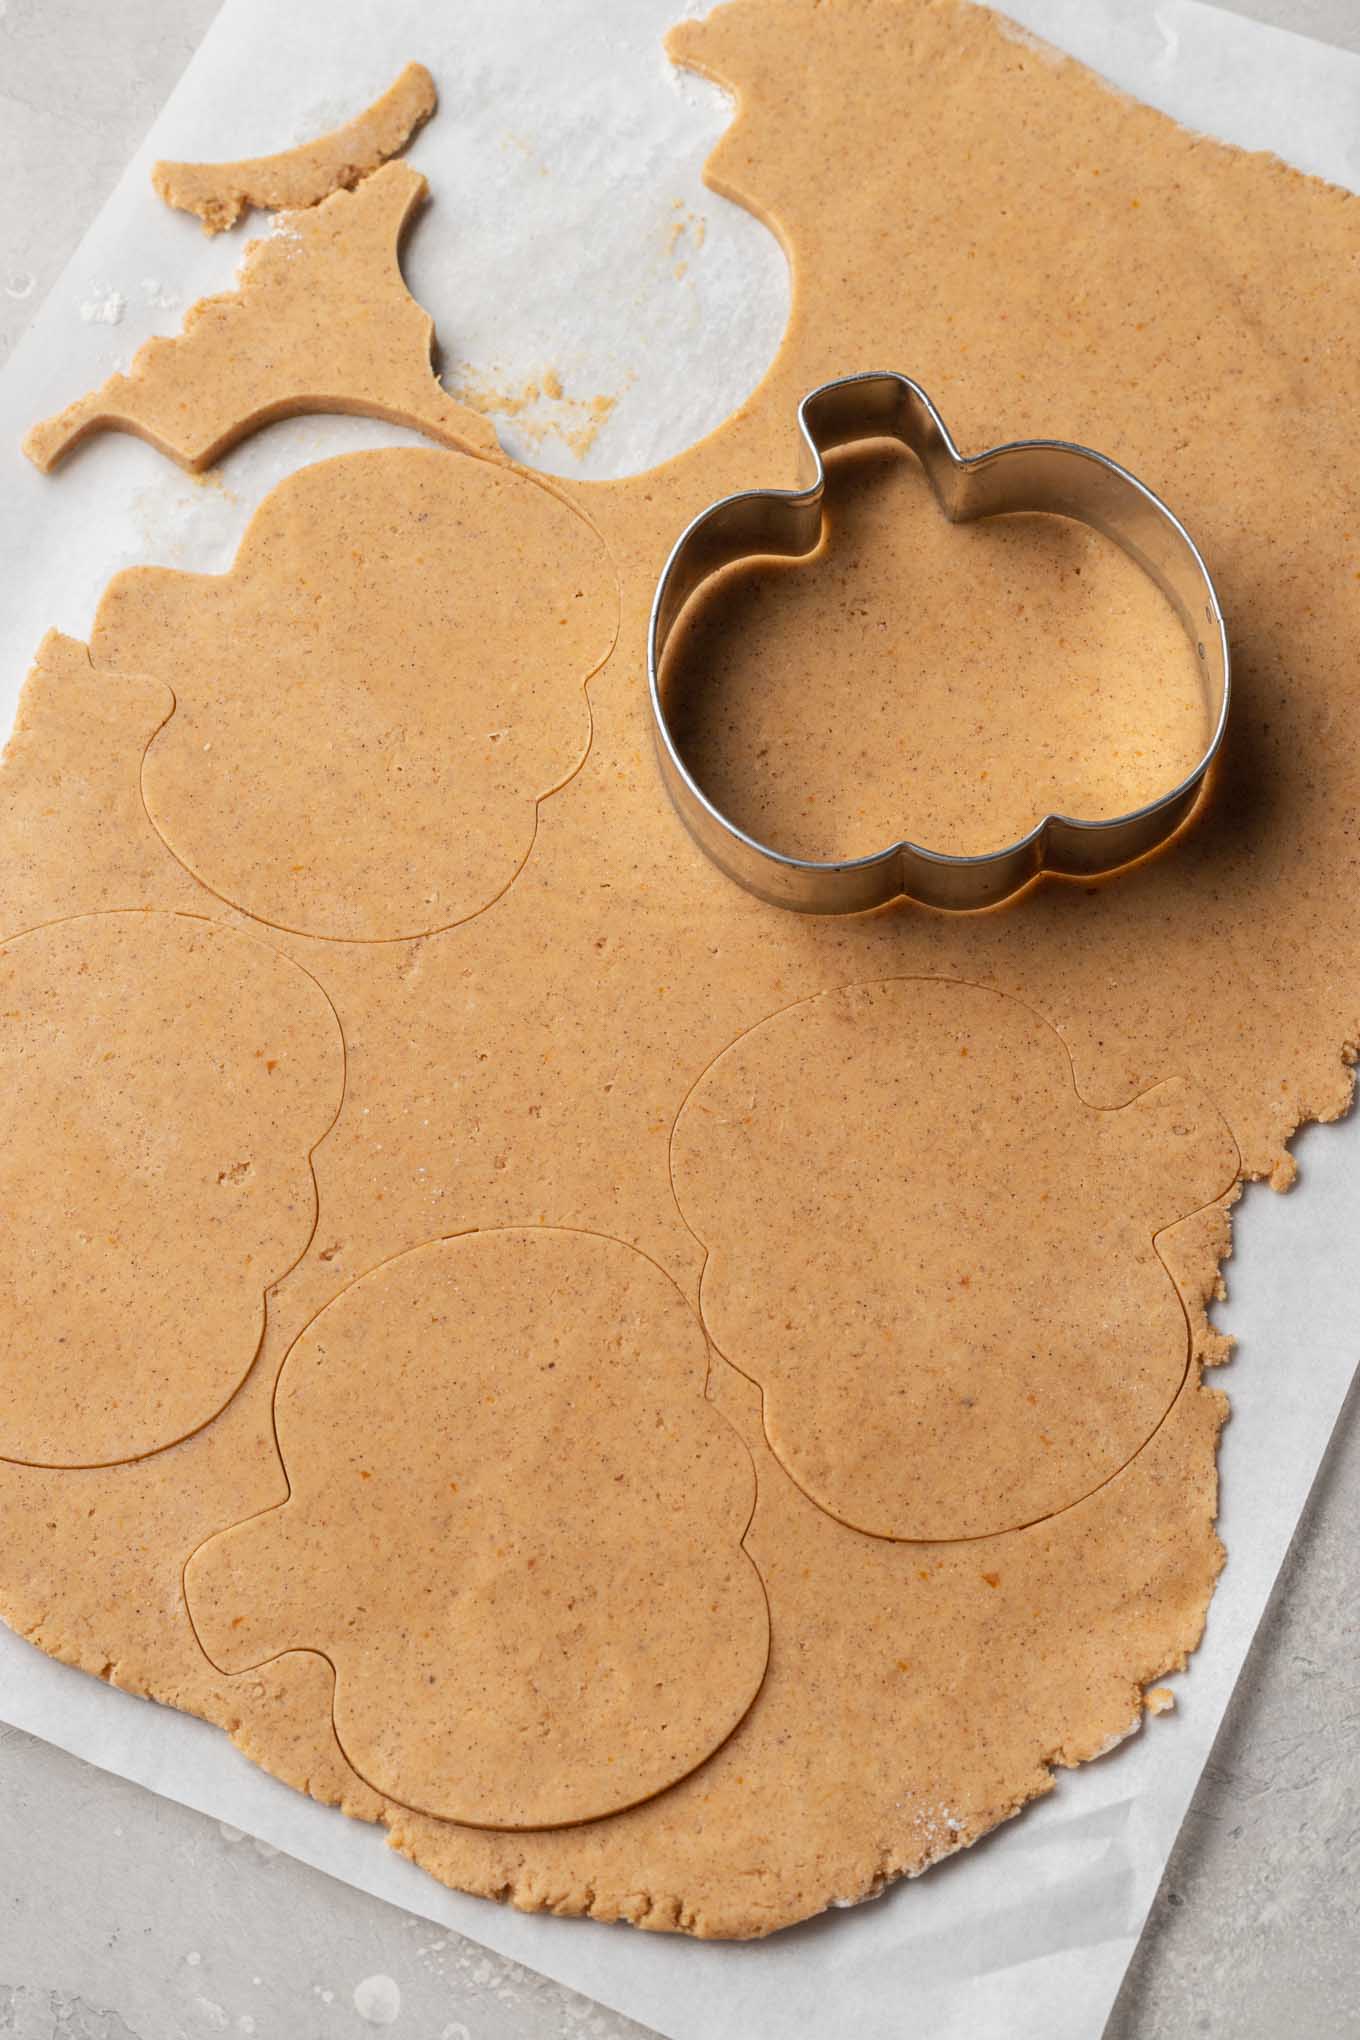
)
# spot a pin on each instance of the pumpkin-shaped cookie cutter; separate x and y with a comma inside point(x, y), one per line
point(1049, 475)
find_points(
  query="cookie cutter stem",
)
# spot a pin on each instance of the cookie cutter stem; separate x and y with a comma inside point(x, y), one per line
point(1049, 475)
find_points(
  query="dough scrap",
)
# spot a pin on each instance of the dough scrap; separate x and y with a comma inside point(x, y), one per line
point(936, 1260)
point(320, 320)
point(529, 1065)
point(514, 1528)
point(293, 178)
point(423, 628)
point(162, 1085)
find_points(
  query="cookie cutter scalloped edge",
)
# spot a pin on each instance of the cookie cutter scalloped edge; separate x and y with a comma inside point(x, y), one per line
point(1051, 475)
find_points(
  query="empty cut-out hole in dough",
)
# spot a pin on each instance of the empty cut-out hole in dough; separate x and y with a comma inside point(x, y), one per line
point(163, 1082)
point(371, 703)
point(950, 684)
point(514, 1528)
point(936, 1260)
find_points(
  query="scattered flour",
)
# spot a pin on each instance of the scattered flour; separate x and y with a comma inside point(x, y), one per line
point(104, 306)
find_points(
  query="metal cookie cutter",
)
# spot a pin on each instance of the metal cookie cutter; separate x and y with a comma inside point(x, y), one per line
point(1029, 474)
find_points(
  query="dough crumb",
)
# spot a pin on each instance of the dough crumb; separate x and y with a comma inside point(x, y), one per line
point(540, 406)
point(1159, 1700)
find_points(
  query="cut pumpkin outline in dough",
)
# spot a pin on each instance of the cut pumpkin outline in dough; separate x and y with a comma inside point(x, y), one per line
point(908, 1455)
point(154, 1396)
point(291, 179)
point(442, 814)
point(320, 320)
point(549, 1632)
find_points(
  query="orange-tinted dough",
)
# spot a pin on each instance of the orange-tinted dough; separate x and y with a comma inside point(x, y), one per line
point(162, 1084)
point(371, 703)
point(320, 320)
point(530, 1063)
point(514, 1528)
point(220, 192)
point(935, 1259)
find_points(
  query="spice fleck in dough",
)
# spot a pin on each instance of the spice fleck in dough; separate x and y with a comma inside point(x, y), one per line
point(514, 1528)
point(1037, 245)
point(895, 1184)
point(220, 192)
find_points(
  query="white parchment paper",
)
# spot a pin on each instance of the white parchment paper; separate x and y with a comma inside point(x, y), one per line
point(569, 231)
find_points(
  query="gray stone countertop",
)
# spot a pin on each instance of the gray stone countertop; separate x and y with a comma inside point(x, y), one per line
point(126, 1917)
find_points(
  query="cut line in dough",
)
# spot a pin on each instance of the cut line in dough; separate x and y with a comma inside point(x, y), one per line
point(936, 1260)
point(375, 698)
point(533, 1060)
point(514, 1529)
point(302, 176)
point(164, 1084)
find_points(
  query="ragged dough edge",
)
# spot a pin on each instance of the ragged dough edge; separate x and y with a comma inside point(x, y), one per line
point(568, 502)
point(289, 179)
point(322, 1774)
point(332, 1782)
point(1324, 1105)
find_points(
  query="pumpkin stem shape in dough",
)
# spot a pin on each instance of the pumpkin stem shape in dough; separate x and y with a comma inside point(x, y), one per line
point(514, 1528)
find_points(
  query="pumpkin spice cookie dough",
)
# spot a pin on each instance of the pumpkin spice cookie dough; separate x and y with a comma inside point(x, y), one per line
point(601, 1044)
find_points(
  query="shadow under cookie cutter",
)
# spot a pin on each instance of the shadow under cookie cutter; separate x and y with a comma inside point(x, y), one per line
point(1029, 474)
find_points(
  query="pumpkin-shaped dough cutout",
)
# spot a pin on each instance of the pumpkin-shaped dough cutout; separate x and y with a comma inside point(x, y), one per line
point(163, 1081)
point(372, 702)
point(894, 1182)
point(514, 1528)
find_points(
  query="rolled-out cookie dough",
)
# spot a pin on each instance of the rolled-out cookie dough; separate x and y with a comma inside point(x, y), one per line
point(514, 1528)
point(220, 192)
point(529, 1065)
